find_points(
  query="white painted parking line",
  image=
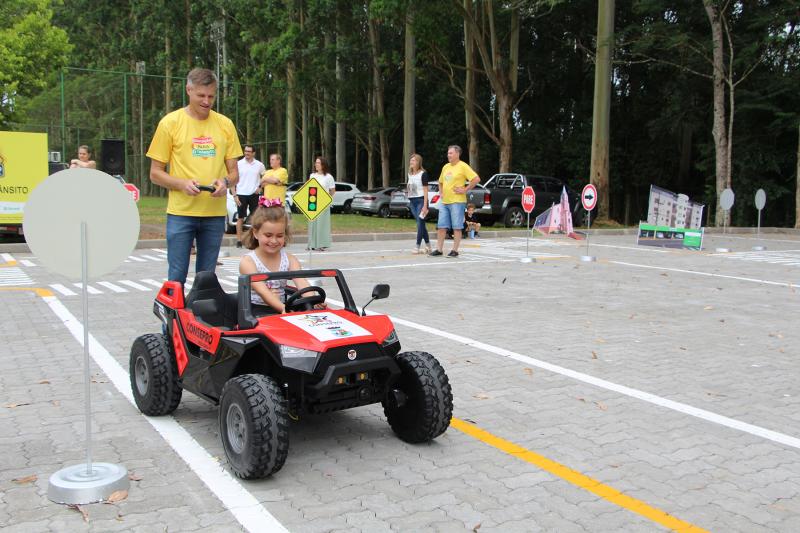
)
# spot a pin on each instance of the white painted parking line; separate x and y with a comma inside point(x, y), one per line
point(134, 258)
point(109, 285)
point(702, 414)
point(153, 258)
point(650, 249)
point(159, 250)
point(708, 274)
point(135, 285)
point(433, 263)
point(89, 288)
point(62, 289)
point(27, 262)
point(247, 510)
point(153, 282)
point(7, 257)
point(10, 276)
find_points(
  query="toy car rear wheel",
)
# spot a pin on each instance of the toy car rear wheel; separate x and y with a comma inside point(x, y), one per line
point(254, 425)
point(420, 404)
point(154, 375)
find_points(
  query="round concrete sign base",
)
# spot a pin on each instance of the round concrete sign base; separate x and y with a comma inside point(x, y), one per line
point(759, 248)
point(723, 250)
point(588, 258)
point(527, 260)
point(75, 485)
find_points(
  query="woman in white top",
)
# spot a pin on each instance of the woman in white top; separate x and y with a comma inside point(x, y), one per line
point(319, 230)
point(417, 190)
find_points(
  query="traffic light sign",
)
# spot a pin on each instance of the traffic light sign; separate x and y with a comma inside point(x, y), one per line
point(312, 199)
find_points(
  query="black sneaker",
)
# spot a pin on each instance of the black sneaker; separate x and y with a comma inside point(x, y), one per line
point(238, 244)
point(435, 253)
point(452, 253)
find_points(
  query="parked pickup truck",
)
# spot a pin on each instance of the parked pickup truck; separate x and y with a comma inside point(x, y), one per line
point(500, 199)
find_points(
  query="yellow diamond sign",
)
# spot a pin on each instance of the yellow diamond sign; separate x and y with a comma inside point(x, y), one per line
point(312, 199)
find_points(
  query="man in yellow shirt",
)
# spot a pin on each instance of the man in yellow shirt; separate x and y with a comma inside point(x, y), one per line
point(201, 148)
point(455, 180)
point(275, 179)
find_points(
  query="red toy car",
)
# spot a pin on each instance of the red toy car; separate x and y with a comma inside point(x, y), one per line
point(263, 368)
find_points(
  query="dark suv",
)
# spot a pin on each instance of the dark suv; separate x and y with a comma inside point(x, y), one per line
point(500, 198)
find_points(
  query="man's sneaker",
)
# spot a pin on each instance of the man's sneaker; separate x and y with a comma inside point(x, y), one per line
point(238, 244)
point(452, 253)
point(435, 253)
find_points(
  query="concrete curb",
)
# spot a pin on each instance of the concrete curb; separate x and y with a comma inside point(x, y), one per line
point(229, 240)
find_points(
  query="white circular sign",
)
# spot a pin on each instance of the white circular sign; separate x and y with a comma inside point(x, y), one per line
point(726, 199)
point(589, 197)
point(761, 199)
point(57, 207)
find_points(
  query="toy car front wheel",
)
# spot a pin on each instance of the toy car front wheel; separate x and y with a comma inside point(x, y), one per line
point(254, 424)
point(420, 404)
point(154, 376)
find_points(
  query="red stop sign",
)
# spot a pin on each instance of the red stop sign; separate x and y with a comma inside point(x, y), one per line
point(528, 199)
point(134, 190)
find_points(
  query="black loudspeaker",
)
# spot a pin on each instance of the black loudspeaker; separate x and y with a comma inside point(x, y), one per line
point(112, 156)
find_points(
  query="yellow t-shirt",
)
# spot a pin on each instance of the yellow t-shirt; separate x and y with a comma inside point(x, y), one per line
point(195, 149)
point(458, 175)
point(276, 191)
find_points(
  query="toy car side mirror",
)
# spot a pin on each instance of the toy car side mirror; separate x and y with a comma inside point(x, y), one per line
point(380, 291)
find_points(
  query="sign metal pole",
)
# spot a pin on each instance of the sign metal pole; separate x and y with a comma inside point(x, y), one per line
point(87, 389)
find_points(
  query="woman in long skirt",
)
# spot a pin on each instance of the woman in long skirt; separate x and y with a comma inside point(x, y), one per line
point(319, 230)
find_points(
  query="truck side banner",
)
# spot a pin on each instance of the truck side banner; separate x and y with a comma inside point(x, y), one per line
point(23, 164)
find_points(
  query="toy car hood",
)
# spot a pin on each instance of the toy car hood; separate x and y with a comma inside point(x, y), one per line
point(325, 329)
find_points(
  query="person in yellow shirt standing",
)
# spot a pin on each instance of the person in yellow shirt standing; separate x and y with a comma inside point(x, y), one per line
point(275, 179)
point(195, 146)
point(455, 180)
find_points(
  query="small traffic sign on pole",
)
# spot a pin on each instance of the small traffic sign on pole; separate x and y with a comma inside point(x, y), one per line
point(589, 201)
point(589, 197)
point(528, 203)
point(134, 190)
point(312, 199)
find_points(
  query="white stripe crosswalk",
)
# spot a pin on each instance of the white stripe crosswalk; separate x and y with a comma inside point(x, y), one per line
point(778, 257)
point(10, 276)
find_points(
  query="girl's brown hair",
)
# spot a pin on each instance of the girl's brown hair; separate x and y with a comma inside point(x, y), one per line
point(323, 163)
point(265, 214)
point(419, 161)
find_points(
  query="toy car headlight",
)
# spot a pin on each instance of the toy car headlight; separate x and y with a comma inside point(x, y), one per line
point(391, 339)
point(299, 358)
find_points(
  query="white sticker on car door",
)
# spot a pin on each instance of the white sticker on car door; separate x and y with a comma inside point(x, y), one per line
point(326, 326)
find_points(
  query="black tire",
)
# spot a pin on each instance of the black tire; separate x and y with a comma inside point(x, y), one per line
point(348, 207)
point(154, 375)
point(428, 403)
point(514, 217)
point(254, 425)
point(383, 211)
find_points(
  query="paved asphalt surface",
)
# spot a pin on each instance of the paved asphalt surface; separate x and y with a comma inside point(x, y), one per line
point(647, 391)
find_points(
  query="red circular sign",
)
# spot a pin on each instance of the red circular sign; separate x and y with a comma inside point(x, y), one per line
point(134, 190)
point(528, 199)
point(589, 197)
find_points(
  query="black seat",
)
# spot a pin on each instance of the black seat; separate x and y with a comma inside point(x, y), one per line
point(210, 303)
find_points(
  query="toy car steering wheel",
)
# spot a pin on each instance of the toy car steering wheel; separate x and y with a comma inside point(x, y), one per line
point(298, 302)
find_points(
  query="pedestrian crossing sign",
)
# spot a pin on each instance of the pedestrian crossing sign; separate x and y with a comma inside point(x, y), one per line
point(312, 199)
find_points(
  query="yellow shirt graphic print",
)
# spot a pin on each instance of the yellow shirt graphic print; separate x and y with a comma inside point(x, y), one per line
point(203, 147)
point(452, 176)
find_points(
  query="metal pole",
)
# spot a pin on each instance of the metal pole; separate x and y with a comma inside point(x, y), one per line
point(125, 119)
point(86, 375)
point(588, 227)
point(63, 122)
point(758, 230)
point(527, 235)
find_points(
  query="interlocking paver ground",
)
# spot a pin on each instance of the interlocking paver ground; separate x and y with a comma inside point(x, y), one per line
point(724, 344)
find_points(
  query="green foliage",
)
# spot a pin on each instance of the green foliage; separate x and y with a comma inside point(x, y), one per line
point(31, 51)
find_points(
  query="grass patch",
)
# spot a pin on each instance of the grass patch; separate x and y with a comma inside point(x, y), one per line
point(152, 210)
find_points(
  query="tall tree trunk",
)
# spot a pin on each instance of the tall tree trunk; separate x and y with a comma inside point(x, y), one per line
point(167, 73)
point(797, 190)
point(370, 141)
point(719, 129)
point(377, 80)
point(409, 92)
point(291, 148)
point(327, 123)
point(187, 10)
point(341, 132)
point(469, 94)
point(305, 134)
point(504, 112)
point(599, 174)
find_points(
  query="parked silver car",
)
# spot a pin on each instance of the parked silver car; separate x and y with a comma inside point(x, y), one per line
point(374, 201)
point(399, 204)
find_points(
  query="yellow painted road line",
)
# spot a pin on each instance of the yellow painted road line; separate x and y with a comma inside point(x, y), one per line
point(576, 478)
point(8, 264)
point(37, 290)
